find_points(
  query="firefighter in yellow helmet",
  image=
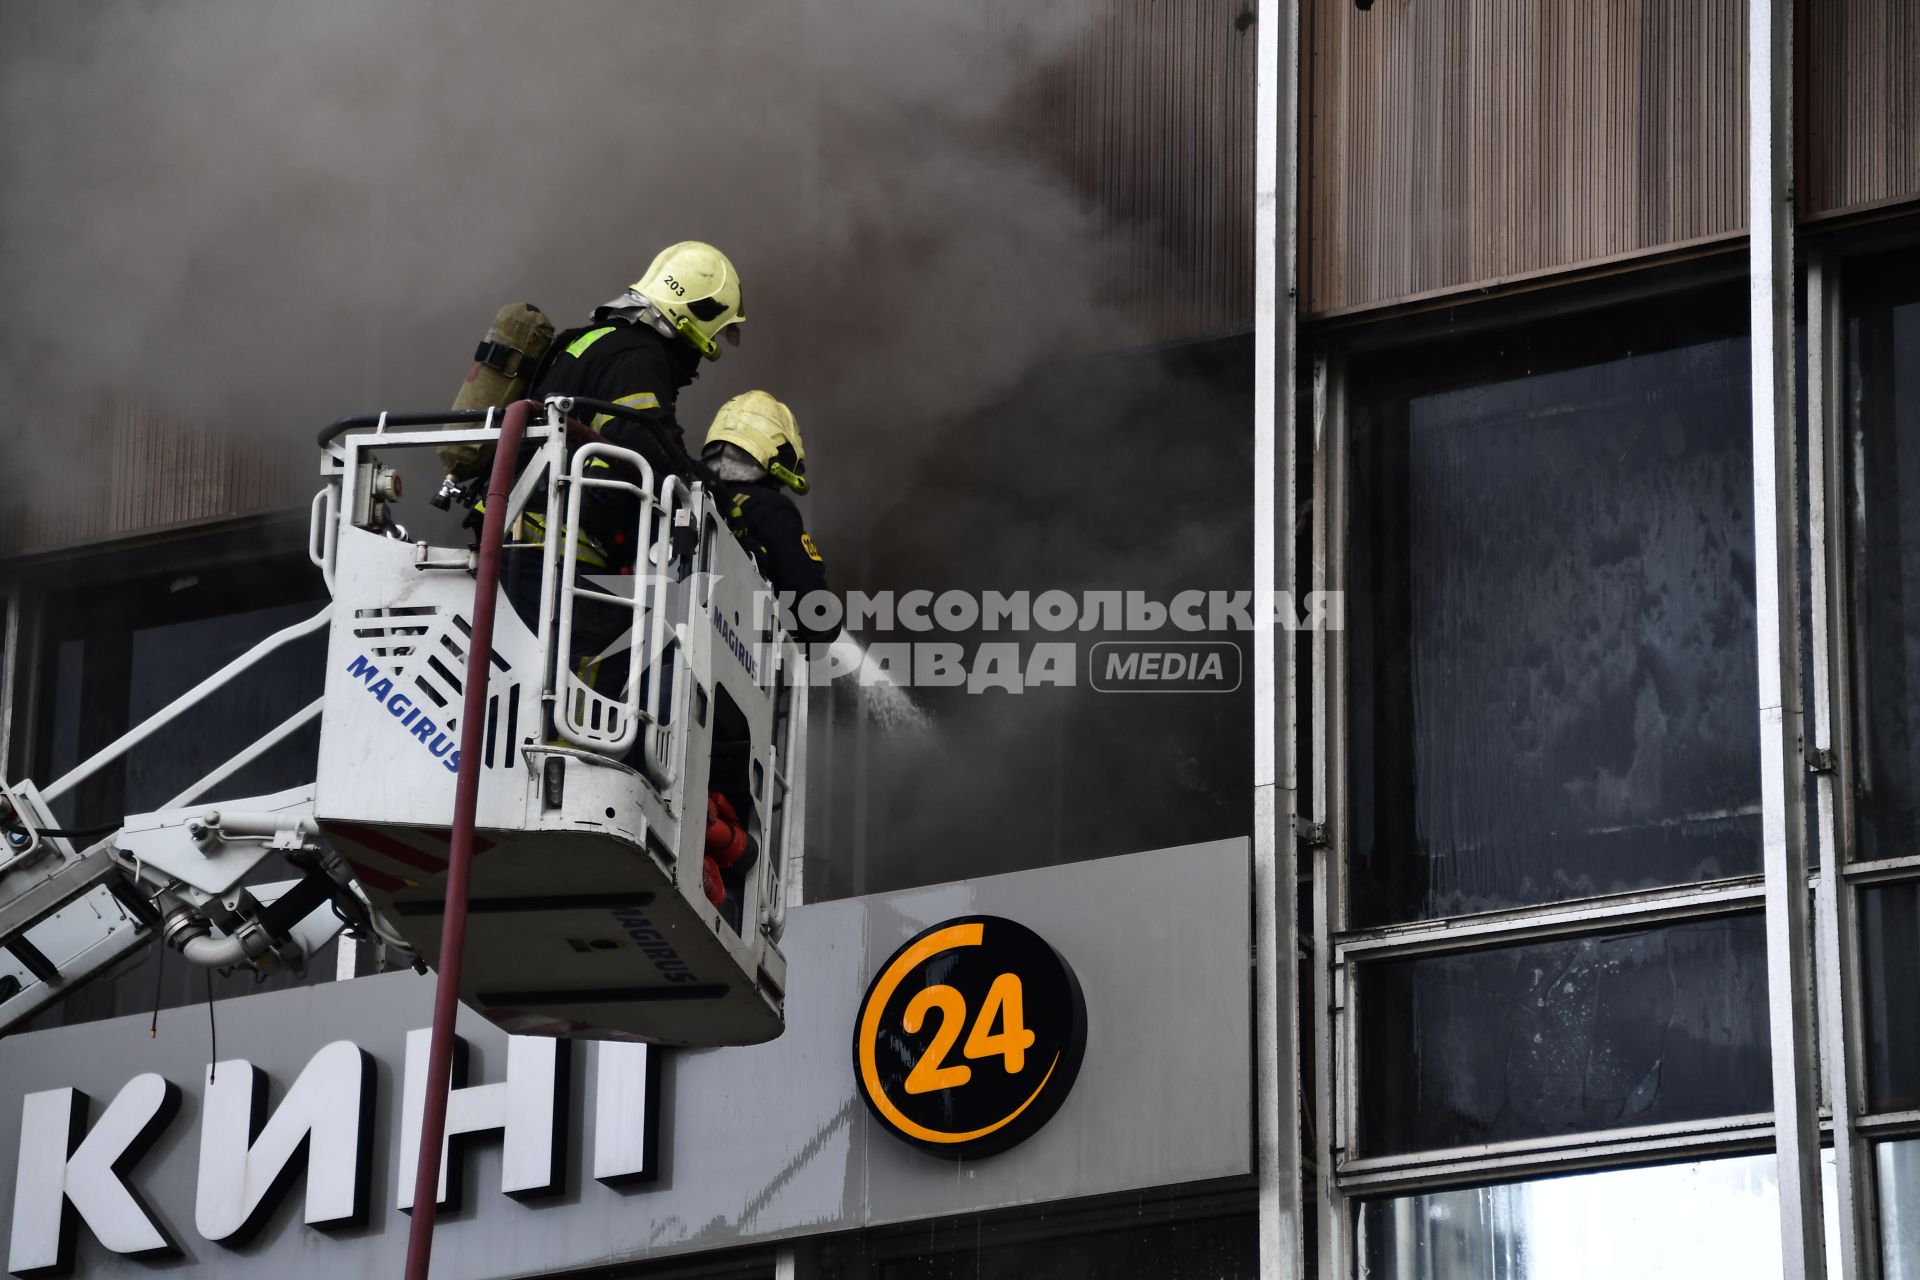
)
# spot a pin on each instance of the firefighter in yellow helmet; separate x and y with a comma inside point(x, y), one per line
point(758, 461)
point(638, 350)
point(641, 348)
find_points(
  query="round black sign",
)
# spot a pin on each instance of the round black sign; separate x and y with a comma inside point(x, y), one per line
point(969, 1037)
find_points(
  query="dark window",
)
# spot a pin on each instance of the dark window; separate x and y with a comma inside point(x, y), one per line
point(1550, 614)
point(1203, 1249)
point(120, 654)
point(1890, 933)
point(1104, 475)
point(1884, 344)
point(1565, 1036)
point(122, 650)
point(745, 1264)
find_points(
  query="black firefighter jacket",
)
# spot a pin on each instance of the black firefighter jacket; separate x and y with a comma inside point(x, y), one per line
point(769, 526)
point(634, 366)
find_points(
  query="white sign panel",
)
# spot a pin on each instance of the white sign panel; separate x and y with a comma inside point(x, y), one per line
point(294, 1158)
point(74, 1175)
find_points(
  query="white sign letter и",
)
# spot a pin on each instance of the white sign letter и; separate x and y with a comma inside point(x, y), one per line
point(326, 1110)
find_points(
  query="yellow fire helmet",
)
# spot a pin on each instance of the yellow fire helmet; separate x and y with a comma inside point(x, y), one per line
point(762, 427)
point(694, 286)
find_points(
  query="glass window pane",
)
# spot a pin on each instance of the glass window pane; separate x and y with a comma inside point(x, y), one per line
point(126, 653)
point(1899, 1167)
point(1566, 1036)
point(1890, 964)
point(1551, 618)
point(1884, 344)
point(167, 660)
point(122, 653)
point(1667, 1222)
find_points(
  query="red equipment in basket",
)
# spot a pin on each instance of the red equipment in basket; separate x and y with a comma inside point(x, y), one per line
point(726, 842)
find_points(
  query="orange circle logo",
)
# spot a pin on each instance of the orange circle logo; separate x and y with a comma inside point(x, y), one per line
point(970, 1037)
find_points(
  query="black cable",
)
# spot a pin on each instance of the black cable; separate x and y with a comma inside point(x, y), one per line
point(159, 965)
point(213, 1032)
point(83, 833)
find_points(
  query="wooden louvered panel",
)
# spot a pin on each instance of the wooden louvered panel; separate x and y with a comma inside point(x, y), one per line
point(1149, 117)
point(1863, 105)
point(1449, 145)
point(121, 471)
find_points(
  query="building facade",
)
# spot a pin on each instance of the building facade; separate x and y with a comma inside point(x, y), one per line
point(1553, 914)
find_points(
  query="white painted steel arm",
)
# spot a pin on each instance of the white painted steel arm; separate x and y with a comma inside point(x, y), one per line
point(273, 738)
point(172, 711)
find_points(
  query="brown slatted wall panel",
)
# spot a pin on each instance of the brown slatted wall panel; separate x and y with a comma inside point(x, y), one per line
point(1863, 104)
point(1456, 144)
point(1150, 118)
point(124, 471)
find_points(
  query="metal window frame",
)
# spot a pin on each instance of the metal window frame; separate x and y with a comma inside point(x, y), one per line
point(1528, 1159)
point(1327, 804)
point(1604, 914)
point(1840, 750)
point(1880, 870)
point(1837, 939)
point(1814, 949)
point(1343, 1179)
point(1889, 1126)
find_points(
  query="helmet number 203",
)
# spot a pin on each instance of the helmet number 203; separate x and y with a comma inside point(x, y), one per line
point(1004, 1004)
point(679, 290)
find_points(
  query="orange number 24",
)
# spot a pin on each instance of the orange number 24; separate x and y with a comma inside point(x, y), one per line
point(1010, 1042)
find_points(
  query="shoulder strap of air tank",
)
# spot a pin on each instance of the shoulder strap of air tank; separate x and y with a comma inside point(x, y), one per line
point(556, 349)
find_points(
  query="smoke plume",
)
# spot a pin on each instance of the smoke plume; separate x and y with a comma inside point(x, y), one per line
point(270, 215)
point(267, 215)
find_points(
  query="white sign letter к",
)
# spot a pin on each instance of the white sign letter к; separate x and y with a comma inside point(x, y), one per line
point(61, 1174)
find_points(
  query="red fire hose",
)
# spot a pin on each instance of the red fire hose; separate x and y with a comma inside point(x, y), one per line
point(466, 795)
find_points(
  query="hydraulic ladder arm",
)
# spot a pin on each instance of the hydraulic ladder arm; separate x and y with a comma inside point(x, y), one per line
point(73, 908)
point(592, 915)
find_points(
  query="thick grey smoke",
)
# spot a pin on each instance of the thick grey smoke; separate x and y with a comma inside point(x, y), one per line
point(267, 214)
point(276, 213)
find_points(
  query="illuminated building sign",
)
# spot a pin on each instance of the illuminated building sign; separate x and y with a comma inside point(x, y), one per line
point(123, 1156)
point(970, 1037)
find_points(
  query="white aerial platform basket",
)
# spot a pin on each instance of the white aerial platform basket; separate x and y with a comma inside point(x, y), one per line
point(587, 914)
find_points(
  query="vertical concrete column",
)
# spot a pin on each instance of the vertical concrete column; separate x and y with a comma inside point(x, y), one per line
point(1790, 979)
point(1275, 922)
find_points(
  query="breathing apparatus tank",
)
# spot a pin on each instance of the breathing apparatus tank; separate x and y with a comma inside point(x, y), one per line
point(502, 365)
